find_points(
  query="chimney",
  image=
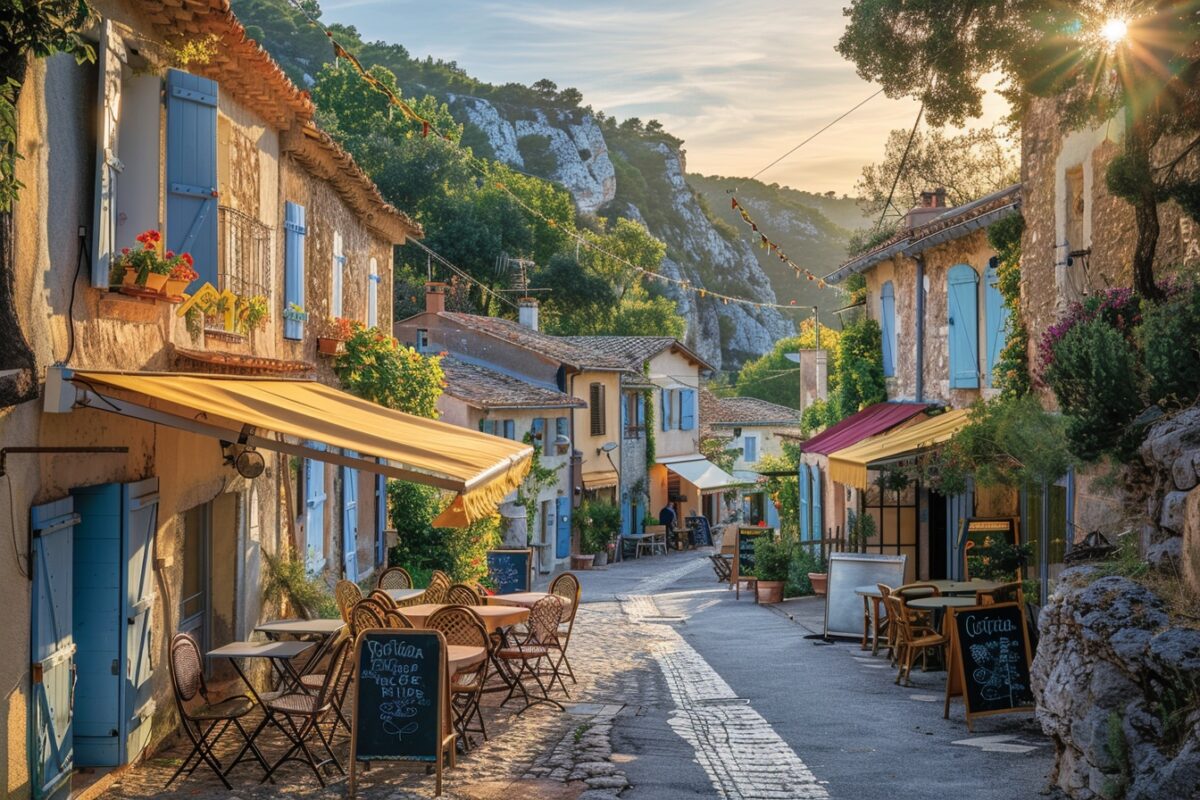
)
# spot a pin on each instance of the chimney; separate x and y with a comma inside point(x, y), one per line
point(934, 199)
point(435, 297)
point(527, 312)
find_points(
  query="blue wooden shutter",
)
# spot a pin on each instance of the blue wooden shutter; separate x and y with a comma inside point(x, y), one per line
point(488, 426)
point(750, 449)
point(192, 171)
point(887, 321)
point(996, 318)
point(140, 520)
point(962, 292)
point(510, 429)
point(350, 523)
point(687, 409)
point(641, 410)
point(52, 755)
point(314, 513)
point(818, 519)
point(538, 429)
point(666, 409)
point(561, 429)
point(625, 414)
point(626, 516)
point(562, 547)
point(110, 58)
point(805, 516)
point(293, 269)
point(381, 520)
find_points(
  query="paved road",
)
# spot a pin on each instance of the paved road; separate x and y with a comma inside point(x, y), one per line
point(744, 703)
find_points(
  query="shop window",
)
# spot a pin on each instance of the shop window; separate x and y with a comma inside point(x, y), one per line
point(895, 513)
point(193, 592)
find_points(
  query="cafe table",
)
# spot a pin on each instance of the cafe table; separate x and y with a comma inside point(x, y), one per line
point(279, 654)
point(495, 618)
point(938, 605)
point(523, 599)
point(400, 595)
point(964, 587)
point(323, 631)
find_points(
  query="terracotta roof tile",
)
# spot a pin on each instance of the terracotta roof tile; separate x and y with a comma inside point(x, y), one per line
point(559, 348)
point(485, 388)
point(727, 411)
point(633, 351)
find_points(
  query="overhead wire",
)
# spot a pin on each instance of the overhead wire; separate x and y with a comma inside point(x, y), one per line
point(841, 117)
point(459, 271)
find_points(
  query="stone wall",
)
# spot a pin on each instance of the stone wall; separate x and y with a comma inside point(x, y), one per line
point(1169, 486)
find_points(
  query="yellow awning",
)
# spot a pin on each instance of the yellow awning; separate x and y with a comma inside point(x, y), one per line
point(601, 479)
point(849, 465)
point(315, 421)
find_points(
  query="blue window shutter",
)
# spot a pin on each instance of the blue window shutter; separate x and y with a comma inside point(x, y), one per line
point(887, 321)
point(373, 294)
point(624, 414)
point(641, 410)
point(510, 429)
point(561, 427)
point(750, 449)
point(192, 171)
point(805, 531)
point(962, 293)
point(818, 518)
point(538, 429)
point(996, 316)
point(293, 268)
point(665, 394)
point(626, 517)
point(488, 426)
point(687, 409)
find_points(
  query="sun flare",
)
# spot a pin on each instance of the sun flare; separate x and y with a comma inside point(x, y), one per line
point(1114, 30)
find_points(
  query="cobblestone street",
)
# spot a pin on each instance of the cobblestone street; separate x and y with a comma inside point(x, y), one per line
point(671, 702)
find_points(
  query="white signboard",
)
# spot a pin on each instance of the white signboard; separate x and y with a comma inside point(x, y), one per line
point(848, 571)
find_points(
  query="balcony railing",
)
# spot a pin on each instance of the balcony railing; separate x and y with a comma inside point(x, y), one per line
point(245, 253)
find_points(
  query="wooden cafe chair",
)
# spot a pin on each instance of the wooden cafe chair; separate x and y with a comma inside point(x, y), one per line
point(910, 640)
point(346, 593)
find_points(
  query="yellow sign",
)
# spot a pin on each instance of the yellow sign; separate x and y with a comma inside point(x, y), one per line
point(208, 301)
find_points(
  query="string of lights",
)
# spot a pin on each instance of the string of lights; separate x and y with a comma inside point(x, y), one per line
point(768, 244)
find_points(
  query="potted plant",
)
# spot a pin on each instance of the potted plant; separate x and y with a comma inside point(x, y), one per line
point(337, 331)
point(180, 276)
point(599, 523)
point(595, 543)
point(254, 313)
point(772, 560)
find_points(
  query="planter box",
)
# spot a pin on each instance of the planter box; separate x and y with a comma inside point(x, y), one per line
point(582, 561)
point(328, 346)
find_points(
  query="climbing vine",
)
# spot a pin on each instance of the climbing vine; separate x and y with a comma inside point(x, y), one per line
point(1012, 369)
point(539, 478)
point(648, 401)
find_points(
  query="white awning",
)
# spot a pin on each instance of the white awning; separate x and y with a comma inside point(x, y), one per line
point(701, 473)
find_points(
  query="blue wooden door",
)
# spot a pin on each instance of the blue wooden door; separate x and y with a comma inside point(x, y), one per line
point(140, 511)
point(192, 171)
point(962, 297)
point(562, 547)
point(52, 646)
point(818, 517)
point(350, 522)
point(314, 514)
point(98, 625)
point(805, 514)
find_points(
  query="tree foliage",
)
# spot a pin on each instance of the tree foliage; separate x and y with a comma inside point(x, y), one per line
point(859, 370)
point(774, 377)
point(376, 367)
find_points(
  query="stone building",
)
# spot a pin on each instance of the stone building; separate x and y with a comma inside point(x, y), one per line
point(169, 529)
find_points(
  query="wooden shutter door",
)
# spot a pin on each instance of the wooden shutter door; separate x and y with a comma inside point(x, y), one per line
point(139, 502)
point(805, 516)
point(996, 318)
point(52, 754)
point(293, 269)
point(887, 321)
point(192, 171)
point(962, 292)
point(687, 409)
point(350, 522)
point(110, 55)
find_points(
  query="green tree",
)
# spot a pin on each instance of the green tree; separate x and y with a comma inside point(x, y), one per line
point(576, 294)
point(1070, 50)
point(859, 369)
point(774, 377)
point(376, 367)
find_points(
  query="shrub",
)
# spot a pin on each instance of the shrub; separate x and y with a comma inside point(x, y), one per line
point(1169, 338)
point(804, 561)
point(599, 524)
point(421, 548)
point(376, 367)
point(772, 558)
point(859, 369)
point(288, 580)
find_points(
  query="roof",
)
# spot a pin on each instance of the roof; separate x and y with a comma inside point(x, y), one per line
point(870, 421)
point(728, 411)
point(953, 223)
point(849, 465)
point(247, 72)
point(636, 350)
point(559, 348)
point(485, 388)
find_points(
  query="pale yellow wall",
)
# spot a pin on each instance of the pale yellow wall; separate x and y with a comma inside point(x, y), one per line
point(670, 370)
point(587, 444)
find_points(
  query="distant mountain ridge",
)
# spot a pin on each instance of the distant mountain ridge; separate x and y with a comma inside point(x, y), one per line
point(612, 170)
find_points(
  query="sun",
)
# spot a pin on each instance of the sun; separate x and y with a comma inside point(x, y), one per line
point(1114, 30)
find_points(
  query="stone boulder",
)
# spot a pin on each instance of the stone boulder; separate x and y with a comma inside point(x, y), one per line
point(1107, 663)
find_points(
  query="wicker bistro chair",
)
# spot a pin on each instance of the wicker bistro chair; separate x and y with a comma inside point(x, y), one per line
point(395, 619)
point(909, 639)
point(462, 626)
point(566, 586)
point(460, 594)
point(383, 599)
point(299, 716)
point(313, 681)
point(439, 585)
point(347, 594)
point(395, 578)
point(539, 644)
point(366, 614)
point(207, 722)
point(1005, 593)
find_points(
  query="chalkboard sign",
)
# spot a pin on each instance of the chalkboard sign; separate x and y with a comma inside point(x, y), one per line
point(400, 698)
point(990, 660)
point(743, 559)
point(701, 532)
point(510, 570)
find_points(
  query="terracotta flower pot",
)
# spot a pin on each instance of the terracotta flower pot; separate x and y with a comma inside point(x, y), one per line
point(328, 346)
point(819, 581)
point(175, 288)
point(582, 561)
point(156, 282)
point(130, 278)
point(769, 591)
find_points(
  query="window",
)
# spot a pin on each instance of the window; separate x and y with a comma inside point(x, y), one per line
point(488, 426)
point(422, 340)
point(687, 409)
point(596, 408)
point(750, 449)
point(962, 316)
point(373, 281)
point(896, 528)
point(668, 409)
point(540, 439)
point(509, 427)
point(193, 593)
point(337, 267)
point(1076, 210)
point(633, 414)
point(562, 435)
point(996, 317)
point(887, 321)
point(294, 233)
point(244, 255)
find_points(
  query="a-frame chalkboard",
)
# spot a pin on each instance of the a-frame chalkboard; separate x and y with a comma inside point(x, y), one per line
point(511, 570)
point(989, 661)
point(400, 700)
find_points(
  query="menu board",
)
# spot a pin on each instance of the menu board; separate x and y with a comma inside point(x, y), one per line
point(990, 660)
point(398, 691)
point(510, 570)
point(745, 548)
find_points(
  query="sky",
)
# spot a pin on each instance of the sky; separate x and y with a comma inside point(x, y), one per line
point(740, 82)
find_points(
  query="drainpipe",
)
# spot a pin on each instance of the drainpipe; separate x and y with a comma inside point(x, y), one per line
point(920, 387)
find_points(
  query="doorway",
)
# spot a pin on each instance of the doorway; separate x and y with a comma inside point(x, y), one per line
point(938, 538)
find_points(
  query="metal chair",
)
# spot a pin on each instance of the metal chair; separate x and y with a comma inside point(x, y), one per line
point(303, 713)
point(346, 593)
point(205, 724)
point(460, 594)
point(654, 540)
point(462, 626)
point(539, 644)
point(566, 586)
point(313, 681)
point(395, 578)
point(439, 585)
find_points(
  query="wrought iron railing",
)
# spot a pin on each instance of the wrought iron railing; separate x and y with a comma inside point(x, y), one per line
point(244, 257)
